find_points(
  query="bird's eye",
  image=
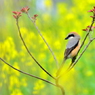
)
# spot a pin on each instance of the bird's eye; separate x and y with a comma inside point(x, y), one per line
point(71, 35)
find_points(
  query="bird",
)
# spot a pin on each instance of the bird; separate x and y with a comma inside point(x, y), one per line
point(72, 48)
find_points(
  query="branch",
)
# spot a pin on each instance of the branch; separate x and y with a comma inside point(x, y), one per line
point(88, 33)
point(76, 59)
point(61, 88)
point(29, 51)
point(72, 64)
point(44, 40)
point(81, 54)
point(16, 16)
point(26, 73)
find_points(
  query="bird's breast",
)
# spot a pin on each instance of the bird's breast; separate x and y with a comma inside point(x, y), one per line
point(75, 51)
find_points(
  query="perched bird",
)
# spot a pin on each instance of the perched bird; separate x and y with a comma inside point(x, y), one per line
point(72, 48)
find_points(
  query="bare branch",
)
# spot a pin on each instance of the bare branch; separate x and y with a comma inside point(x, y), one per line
point(44, 40)
point(26, 73)
point(30, 52)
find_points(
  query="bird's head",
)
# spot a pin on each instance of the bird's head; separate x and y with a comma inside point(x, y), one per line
point(72, 35)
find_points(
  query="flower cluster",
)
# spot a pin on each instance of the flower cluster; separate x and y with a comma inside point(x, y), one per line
point(16, 14)
point(88, 27)
point(93, 11)
point(34, 17)
point(25, 9)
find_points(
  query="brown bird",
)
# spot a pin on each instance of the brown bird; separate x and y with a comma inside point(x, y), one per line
point(72, 48)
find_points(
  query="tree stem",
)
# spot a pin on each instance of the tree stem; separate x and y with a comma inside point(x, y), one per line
point(30, 52)
point(26, 73)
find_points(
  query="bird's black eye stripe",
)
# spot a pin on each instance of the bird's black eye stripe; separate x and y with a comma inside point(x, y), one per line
point(71, 35)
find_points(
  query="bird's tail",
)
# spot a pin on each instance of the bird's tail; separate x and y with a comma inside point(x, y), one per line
point(60, 68)
point(72, 64)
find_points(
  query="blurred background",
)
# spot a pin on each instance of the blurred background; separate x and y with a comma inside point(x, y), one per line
point(56, 18)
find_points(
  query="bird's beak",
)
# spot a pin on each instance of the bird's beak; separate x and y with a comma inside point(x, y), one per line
point(66, 38)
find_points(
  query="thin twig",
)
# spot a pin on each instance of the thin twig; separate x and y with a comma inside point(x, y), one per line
point(44, 40)
point(29, 51)
point(26, 73)
point(87, 34)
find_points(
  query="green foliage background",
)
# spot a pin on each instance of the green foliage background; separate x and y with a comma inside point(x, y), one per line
point(56, 19)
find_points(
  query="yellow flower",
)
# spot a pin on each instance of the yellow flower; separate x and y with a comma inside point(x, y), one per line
point(57, 45)
point(14, 81)
point(48, 3)
point(14, 71)
point(61, 8)
point(23, 82)
point(70, 16)
point(16, 92)
point(39, 85)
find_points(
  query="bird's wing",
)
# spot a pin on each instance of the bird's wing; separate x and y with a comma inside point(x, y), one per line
point(72, 44)
point(67, 52)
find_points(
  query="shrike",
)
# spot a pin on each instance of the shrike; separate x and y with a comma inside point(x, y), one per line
point(72, 48)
